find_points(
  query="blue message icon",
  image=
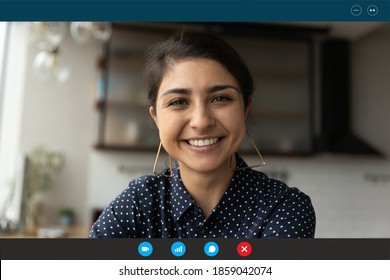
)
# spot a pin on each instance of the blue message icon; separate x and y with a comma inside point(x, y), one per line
point(145, 249)
point(211, 249)
point(178, 249)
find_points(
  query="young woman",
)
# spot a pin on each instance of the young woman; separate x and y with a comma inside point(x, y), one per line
point(201, 93)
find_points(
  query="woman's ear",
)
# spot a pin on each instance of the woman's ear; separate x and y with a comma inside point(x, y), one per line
point(248, 106)
point(153, 114)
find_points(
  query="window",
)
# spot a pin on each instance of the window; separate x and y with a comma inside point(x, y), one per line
point(4, 31)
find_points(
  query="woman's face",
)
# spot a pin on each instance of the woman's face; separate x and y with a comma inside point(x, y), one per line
point(200, 114)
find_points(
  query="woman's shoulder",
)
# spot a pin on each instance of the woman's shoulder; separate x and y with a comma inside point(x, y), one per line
point(276, 189)
point(147, 183)
point(143, 187)
point(262, 181)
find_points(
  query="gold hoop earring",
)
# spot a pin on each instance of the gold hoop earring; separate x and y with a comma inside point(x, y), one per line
point(155, 164)
point(258, 153)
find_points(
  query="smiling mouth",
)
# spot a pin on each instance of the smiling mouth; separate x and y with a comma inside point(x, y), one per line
point(203, 142)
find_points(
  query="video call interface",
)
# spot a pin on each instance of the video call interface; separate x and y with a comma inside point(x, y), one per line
point(182, 140)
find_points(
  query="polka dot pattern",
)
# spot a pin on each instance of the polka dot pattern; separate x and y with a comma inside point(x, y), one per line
point(253, 206)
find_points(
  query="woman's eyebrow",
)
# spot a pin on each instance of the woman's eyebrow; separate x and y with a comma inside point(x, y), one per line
point(221, 87)
point(188, 91)
point(176, 91)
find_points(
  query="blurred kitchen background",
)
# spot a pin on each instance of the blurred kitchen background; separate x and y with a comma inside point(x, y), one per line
point(74, 111)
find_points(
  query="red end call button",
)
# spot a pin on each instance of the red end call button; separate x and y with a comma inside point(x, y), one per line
point(244, 249)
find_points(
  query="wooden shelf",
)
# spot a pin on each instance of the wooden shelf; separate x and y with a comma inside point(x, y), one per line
point(101, 104)
point(280, 115)
point(124, 148)
point(71, 232)
point(280, 73)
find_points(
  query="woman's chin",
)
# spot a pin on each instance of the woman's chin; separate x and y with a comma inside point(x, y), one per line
point(204, 166)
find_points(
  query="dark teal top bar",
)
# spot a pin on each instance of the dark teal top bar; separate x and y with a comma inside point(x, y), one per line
point(188, 10)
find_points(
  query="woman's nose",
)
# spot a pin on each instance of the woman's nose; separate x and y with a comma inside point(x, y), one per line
point(201, 118)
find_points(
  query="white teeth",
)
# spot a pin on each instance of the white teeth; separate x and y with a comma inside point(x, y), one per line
point(204, 142)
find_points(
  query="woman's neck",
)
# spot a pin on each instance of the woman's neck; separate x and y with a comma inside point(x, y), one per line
point(206, 188)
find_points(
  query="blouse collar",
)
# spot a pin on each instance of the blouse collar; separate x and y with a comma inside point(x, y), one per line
point(181, 200)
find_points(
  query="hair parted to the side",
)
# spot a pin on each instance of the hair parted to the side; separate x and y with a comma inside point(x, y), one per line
point(188, 44)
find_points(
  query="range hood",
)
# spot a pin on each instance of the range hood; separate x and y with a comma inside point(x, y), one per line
point(336, 127)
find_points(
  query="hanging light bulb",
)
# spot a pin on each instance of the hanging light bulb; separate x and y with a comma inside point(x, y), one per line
point(50, 65)
point(47, 35)
point(81, 31)
point(42, 65)
point(102, 30)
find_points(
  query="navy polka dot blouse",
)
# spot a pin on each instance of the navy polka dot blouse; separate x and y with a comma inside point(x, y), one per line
point(253, 206)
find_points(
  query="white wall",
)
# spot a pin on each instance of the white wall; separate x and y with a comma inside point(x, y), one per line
point(110, 173)
point(61, 117)
point(371, 88)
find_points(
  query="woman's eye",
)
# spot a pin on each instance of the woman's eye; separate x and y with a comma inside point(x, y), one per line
point(177, 102)
point(221, 98)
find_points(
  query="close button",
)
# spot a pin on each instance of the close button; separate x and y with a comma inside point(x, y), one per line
point(372, 10)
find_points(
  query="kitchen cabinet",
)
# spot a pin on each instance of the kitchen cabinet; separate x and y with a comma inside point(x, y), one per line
point(281, 118)
point(122, 105)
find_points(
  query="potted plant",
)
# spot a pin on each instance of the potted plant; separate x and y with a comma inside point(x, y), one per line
point(66, 216)
point(43, 165)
